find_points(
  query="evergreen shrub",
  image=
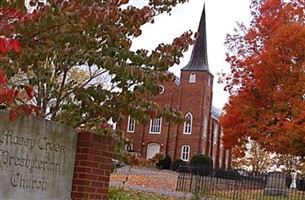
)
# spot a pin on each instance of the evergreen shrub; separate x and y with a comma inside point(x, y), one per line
point(201, 164)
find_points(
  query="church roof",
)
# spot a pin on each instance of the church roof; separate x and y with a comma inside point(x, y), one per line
point(199, 57)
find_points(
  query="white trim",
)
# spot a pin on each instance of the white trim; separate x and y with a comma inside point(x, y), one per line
point(155, 126)
point(192, 77)
point(152, 150)
point(161, 89)
point(205, 127)
point(185, 152)
point(187, 126)
point(131, 125)
point(215, 133)
point(129, 147)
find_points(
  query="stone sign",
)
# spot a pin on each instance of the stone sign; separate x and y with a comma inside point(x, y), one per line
point(36, 158)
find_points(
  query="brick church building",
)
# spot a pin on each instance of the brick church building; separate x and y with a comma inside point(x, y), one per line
point(192, 94)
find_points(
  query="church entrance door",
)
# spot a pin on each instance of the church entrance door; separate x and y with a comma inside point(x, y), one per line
point(152, 149)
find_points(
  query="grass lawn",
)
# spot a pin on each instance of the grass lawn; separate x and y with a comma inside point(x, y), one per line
point(127, 194)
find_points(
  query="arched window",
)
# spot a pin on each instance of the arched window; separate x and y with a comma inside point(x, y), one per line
point(161, 89)
point(185, 152)
point(152, 150)
point(187, 128)
point(205, 128)
point(215, 133)
point(193, 77)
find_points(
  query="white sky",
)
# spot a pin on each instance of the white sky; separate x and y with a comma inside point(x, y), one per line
point(221, 18)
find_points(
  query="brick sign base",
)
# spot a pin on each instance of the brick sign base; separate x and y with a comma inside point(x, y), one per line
point(92, 167)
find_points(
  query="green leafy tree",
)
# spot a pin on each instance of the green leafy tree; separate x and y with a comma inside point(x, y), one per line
point(77, 57)
point(69, 45)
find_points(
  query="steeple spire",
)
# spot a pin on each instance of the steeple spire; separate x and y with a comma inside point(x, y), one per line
point(199, 57)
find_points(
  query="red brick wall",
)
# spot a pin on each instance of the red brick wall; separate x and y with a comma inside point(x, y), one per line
point(195, 98)
point(186, 97)
point(92, 167)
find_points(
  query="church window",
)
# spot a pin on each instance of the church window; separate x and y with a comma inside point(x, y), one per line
point(187, 128)
point(185, 152)
point(215, 133)
point(155, 126)
point(193, 77)
point(131, 125)
point(205, 127)
point(128, 147)
point(161, 89)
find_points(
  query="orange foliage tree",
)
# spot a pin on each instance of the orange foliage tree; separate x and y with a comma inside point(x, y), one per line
point(266, 82)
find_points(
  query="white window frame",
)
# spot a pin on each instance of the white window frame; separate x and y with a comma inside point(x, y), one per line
point(155, 126)
point(128, 147)
point(205, 127)
point(192, 77)
point(131, 125)
point(161, 89)
point(216, 126)
point(187, 127)
point(221, 134)
point(185, 152)
point(220, 161)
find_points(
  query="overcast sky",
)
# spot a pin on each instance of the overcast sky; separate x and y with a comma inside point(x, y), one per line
point(221, 18)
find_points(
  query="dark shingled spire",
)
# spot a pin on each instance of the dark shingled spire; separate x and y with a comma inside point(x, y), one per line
point(199, 57)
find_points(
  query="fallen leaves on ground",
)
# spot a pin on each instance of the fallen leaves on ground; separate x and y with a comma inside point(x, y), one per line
point(157, 179)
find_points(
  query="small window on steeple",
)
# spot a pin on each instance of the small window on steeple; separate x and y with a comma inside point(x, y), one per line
point(193, 77)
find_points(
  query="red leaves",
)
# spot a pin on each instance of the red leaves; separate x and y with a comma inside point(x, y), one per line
point(29, 91)
point(3, 79)
point(267, 79)
point(24, 108)
point(16, 45)
point(121, 2)
point(7, 95)
point(10, 97)
point(13, 115)
point(8, 44)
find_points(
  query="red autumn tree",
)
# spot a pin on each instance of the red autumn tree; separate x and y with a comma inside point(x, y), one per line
point(70, 46)
point(267, 76)
point(14, 98)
